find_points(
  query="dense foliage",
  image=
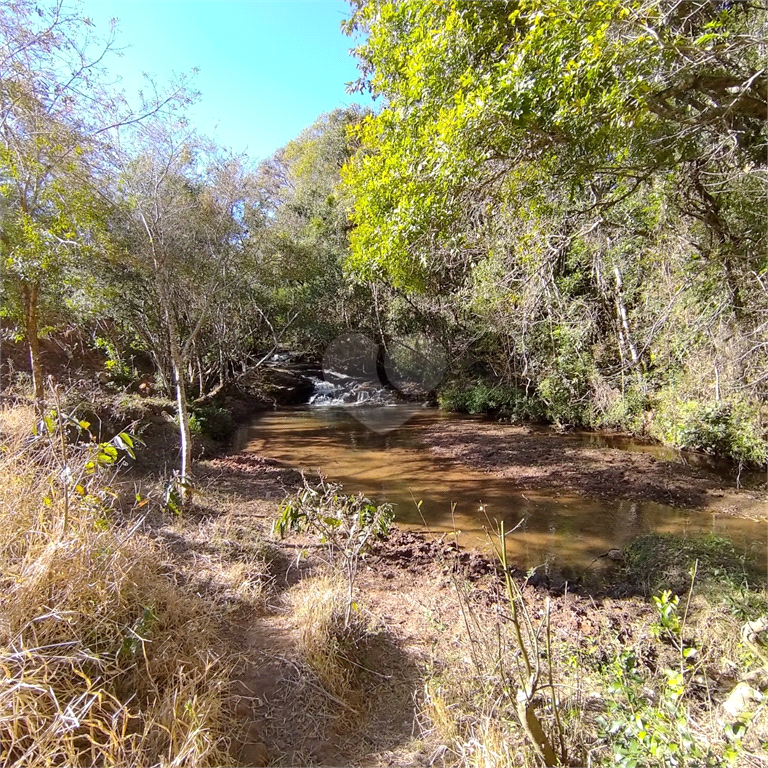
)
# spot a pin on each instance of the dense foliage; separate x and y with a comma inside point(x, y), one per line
point(578, 192)
point(569, 196)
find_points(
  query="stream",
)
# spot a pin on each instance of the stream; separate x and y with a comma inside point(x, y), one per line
point(561, 531)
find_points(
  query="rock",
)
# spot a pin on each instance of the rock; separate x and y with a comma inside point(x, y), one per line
point(751, 632)
point(740, 699)
point(285, 387)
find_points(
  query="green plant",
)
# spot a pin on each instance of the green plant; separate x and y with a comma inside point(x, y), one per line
point(660, 561)
point(625, 411)
point(173, 493)
point(668, 617)
point(346, 525)
point(211, 420)
point(115, 363)
point(488, 397)
point(566, 392)
point(79, 455)
point(732, 428)
point(643, 733)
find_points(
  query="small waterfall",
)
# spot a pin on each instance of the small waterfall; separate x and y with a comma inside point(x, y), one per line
point(338, 389)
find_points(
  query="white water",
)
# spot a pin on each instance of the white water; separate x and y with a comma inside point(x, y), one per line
point(341, 390)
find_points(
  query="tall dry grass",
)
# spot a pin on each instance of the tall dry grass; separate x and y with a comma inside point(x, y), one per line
point(106, 660)
point(326, 642)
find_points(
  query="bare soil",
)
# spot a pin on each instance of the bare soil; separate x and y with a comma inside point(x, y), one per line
point(537, 460)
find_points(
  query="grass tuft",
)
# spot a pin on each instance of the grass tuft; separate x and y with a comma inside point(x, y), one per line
point(657, 562)
point(328, 643)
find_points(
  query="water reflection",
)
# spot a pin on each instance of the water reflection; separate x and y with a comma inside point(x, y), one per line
point(568, 530)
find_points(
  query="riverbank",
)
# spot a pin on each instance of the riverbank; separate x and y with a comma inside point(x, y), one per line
point(421, 682)
point(540, 459)
point(262, 668)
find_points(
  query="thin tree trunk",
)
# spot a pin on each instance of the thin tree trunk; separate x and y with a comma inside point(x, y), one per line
point(622, 312)
point(200, 376)
point(183, 413)
point(177, 363)
point(30, 293)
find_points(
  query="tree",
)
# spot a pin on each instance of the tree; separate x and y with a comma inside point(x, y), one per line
point(179, 236)
point(300, 232)
point(576, 189)
point(57, 112)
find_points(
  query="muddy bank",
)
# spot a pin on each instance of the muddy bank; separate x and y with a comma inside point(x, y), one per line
point(541, 460)
point(414, 594)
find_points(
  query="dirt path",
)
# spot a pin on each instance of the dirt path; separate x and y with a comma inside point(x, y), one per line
point(287, 716)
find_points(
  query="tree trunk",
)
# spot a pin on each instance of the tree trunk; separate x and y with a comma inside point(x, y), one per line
point(181, 407)
point(200, 376)
point(621, 310)
point(30, 295)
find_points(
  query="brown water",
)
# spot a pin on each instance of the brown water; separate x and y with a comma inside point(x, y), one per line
point(562, 531)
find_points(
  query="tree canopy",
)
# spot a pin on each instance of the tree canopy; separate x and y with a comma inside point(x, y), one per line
point(578, 188)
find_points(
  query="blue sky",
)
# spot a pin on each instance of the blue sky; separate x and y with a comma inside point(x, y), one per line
point(268, 68)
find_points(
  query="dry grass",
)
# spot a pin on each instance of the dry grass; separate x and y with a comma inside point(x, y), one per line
point(106, 659)
point(324, 643)
point(467, 706)
point(617, 671)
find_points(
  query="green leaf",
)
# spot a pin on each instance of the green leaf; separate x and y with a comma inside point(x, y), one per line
point(107, 454)
point(124, 443)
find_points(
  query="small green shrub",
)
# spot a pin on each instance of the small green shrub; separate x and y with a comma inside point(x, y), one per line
point(667, 607)
point(485, 397)
point(731, 428)
point(115, 364)
point(346, 525)
point(644, 733)
point(626, 412)
point(566, 398)
point(210, 420)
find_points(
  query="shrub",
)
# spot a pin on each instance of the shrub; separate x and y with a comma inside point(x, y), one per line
point(662, 561)
point(643, 733)
point(213, 421)
point(346, 525)
point(485, 397)
point(623, 411)
point(731, 428)
point(565, 401)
